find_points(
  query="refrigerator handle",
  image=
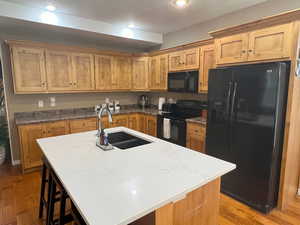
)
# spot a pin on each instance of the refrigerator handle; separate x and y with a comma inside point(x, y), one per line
point(228, 98)
point(233, 100)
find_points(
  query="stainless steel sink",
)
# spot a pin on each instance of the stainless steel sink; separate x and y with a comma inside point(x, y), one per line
point(123, 140)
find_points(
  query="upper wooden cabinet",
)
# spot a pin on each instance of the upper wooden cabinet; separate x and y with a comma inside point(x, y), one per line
point(158, 67)
point(28, 66)
point(207, 62)
point(264, 44)
point(232, 49)
point(270, 43)
point(184, 60)
point(140, 73)
point(59, 70)
point(122, 73)
point(83, 71)
point(103, 72)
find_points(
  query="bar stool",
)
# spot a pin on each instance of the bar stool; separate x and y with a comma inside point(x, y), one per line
point(56, 193)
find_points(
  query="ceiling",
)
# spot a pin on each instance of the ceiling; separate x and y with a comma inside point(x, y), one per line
point(149, 15)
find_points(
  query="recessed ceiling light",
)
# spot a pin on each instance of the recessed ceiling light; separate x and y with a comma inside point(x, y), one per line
point(51, 7)
point(131, 25)
point(181, 3)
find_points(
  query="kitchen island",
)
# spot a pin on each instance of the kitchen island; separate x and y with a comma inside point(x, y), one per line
point(179, 186)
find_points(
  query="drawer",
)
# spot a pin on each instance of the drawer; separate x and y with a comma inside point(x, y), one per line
point(82, 125)
point(196, 129)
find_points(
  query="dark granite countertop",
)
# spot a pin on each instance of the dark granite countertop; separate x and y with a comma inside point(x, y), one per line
point(200, 120)
point(23, 118)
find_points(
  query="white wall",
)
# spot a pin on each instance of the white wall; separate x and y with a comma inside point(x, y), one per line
point(200, 31)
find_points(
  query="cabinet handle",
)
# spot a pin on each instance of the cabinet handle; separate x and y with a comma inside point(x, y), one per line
point(71, 83)
point(74, 84)
point(250, 50)
point(243, 51)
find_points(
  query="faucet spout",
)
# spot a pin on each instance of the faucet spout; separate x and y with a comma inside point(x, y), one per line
point(100, 111)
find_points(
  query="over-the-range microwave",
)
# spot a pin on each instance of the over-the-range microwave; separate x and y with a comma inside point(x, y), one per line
point(186, 81)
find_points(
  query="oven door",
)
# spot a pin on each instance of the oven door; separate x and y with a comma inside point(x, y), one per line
point(178, 131)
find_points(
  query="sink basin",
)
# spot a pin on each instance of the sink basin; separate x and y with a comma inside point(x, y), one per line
point(123, 140)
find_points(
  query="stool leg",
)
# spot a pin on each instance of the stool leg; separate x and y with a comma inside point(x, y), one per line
point(51, 200)
point(43, 185)
point(62, 212)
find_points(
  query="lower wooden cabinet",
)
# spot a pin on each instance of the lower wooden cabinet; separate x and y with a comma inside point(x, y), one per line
point(195, 137)
point(151, 125)
point(82, 125)
point(28, 134)
point(133, 121)
point(119, 121)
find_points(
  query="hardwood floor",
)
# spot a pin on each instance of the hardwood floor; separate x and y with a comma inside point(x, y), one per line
point(19, 200)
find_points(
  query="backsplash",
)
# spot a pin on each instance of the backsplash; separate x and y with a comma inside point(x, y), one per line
point(176, 96)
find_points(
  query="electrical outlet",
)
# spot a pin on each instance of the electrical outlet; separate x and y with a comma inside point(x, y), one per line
point(41, 104)
point(52, 101)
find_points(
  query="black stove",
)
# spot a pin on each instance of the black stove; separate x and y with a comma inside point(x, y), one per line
point(177, 114)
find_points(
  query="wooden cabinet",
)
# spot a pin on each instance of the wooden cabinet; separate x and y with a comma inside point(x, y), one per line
point(57, 128)
point(176, 61)
point(59, 71)
point(28, 67)
point(142, 123)
point(133, 121)
point(120, 121)
point(122, 73)
point(83, 71)
point(82, 125)
point(270, 43)
point(140, 73)
point(232, 49)
point(184, 60)
point(30, 151)
point(103, 72)
point(195, 137)
point(207, 62)
point(151, 125)
point(158, 72)
point(263, 44)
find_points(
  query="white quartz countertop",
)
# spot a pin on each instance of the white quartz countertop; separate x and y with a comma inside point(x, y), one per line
point(119, 186)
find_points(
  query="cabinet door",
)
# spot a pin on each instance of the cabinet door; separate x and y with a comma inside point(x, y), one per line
point(57, 128)
point(195, 137)
point(207, 62)
point(83, 125)
point(270, 43)
point(59, 71)
point(103, 72)
point(140, 73)
point(142, 123)
point(83, 71)
point(191, 59)
point(151, 125)
point(28, 66)
point(163, 72)
point(176, 61)
point(31, 152)
point(154, 73)
point(133, 122)
point(232, 49)
point(122, 73)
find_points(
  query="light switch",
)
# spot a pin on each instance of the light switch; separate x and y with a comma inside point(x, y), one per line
point(52, 101)
point(41, 104)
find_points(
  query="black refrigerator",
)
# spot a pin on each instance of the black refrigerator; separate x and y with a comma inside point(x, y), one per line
point(246, 115)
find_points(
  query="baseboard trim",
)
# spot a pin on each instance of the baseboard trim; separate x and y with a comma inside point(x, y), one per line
point(16, 162)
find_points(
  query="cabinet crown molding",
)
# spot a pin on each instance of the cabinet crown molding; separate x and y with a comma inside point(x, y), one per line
point(282, 18)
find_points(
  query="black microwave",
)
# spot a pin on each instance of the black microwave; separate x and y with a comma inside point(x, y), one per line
point(183, 81)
